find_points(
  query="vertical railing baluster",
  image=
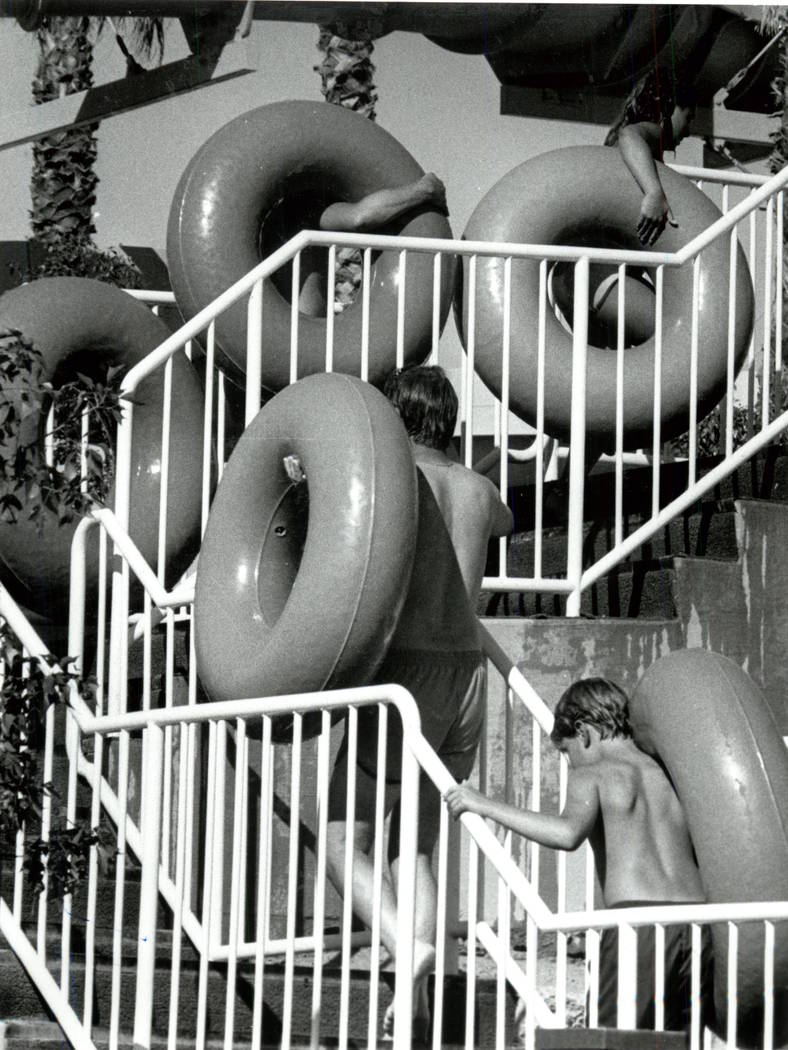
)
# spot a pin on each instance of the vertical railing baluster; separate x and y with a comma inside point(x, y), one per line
point(237, 873)
point(153, 752)
point(401, 281)
point(292, 878)
point(693, 390)
point(627, 976)
point(503, 416)
point(365, 298)
point(347, 908)
point(319, 908)
point(330, 297)
point(695, 954)
point(766, 373)
point(768, 984)
point(730, 383)
point(733, 985)
point(254, 352)
point(778, 284)
point(207, 425)
point(264, 884)
point(295, 290)
point(619, 467)
point(161, 553)
point(539, 477)
point(436, 306)
point(577, 442)
point(377, 875)
point(470, 990)
point(470, 355)
point(656, 437)
point(659, 977)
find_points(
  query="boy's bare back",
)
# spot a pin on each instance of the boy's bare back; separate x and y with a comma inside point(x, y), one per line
point(641, 844)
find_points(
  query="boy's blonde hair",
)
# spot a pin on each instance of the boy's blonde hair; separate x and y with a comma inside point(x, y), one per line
point(593, 702)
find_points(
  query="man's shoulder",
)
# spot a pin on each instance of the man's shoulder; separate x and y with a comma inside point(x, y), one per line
point(475, 482)
point(455, 474)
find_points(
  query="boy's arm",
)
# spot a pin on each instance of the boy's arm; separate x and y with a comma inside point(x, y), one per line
point(566, 831)
point(383, 206)
point(639, 145)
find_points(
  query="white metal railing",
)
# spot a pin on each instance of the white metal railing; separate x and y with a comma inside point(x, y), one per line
point(165, 830)
point(753, 215)
point(218, 891)
point(174, 729)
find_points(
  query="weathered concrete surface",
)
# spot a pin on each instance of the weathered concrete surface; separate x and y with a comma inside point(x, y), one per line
point(740, 608)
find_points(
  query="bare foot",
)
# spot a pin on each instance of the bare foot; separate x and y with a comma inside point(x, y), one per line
point(423, 965)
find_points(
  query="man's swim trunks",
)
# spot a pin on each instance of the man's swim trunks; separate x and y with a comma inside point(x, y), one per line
point(678, 975)
point(450, 689)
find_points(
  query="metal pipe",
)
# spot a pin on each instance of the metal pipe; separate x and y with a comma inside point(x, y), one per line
point(574, 537)
point(153, 747)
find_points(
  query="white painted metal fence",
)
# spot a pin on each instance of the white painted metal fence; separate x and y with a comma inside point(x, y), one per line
point(192, 794)
point(191, 751)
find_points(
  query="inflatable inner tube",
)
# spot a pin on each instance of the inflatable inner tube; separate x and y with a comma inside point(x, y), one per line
point(86, 326)
point(261, 179)
point(708, 723)
point(300, 587)
point(586, 196)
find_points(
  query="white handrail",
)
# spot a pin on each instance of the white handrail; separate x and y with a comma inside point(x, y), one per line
point(727, 222)
point(717, 474)
point(43, 980)
point(380, 242)
point(722, 176)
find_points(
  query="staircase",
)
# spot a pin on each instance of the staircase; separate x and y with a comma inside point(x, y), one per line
point(715, 578)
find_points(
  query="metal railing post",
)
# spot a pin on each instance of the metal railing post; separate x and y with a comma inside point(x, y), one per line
point(574, 541)
point(627, 976)
point(406, 900)
point(120, 576)
point(149, 888)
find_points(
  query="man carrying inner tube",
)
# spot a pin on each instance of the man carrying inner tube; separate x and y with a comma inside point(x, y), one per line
point(652, 122)
point(372, 212)
point(435, 654)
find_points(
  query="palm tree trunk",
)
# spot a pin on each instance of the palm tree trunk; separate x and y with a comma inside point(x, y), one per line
point(64, 180)
point(346, 69)
point(63, 184)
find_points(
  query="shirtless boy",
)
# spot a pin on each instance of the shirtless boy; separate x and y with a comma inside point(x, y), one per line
point(435, 653)
point(621, 800)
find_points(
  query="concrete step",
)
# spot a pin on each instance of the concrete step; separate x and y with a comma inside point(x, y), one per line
point(607, 1039)
point(765, 477)
point(46, 1035)
point(632, 588)
point(22, 1003)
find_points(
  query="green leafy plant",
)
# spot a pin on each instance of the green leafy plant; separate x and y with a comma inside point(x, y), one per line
point(28, 484)
point(710, 439)
point(26, 693)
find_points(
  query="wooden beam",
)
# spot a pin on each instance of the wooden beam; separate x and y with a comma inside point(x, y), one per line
point(594, 107)
point(119, 96)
